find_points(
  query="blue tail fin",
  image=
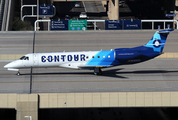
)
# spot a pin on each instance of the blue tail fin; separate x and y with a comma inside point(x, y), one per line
point(158, 40)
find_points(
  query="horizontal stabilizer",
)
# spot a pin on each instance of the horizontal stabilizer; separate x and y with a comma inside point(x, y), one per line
point(165, 31)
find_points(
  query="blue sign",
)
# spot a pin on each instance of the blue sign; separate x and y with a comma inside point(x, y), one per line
point(132, 24)
point(159, 26)
point(46, 10)
point(170, 15)
point(113, 24)
point(59, 24)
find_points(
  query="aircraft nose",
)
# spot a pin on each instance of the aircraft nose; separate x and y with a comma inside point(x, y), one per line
point(7, 65)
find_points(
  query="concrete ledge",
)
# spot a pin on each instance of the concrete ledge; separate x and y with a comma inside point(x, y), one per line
point(8, 100)
point(27, 105)
point(113, 99)
point(88, 100)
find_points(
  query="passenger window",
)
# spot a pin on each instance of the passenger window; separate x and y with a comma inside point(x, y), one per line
point(98, 56)
point(108, 56)
point(92, 56)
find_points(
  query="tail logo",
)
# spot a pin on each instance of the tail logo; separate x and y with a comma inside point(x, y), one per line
point(157, 43)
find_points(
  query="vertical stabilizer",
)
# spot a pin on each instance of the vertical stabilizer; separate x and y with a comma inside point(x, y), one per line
point(158, 40)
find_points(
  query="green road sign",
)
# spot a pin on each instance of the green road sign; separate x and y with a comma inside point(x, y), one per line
point(77, 25)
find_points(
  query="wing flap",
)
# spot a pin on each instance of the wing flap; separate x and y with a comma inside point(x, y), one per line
point(95, 66)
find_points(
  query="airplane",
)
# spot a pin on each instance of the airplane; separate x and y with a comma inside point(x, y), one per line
point(94, 60)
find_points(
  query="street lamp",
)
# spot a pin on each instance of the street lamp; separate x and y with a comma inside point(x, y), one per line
point(174, 14)
point(37, 12)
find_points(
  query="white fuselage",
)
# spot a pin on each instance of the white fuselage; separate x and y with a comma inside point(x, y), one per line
point(58, 59)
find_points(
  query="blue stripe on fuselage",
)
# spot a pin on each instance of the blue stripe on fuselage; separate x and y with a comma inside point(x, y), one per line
point(103, 58)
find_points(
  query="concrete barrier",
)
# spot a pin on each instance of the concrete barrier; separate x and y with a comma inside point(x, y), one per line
point(28, 104)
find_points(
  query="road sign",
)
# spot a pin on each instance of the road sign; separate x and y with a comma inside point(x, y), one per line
point(77, 25)
point(170, 15)
point(59, 24)
point(132, 24)
point(46, 10)
point(113, 24)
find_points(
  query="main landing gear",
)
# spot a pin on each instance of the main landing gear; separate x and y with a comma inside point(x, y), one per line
point(18, 73)
point(97, 71)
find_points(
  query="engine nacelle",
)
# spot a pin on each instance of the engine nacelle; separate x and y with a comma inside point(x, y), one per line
point(126, 55)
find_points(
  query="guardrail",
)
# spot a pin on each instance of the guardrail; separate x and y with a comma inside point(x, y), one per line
point(95, 21)
point(164, 21)
point(22, 17)
point(35, 24)
point(32, 15)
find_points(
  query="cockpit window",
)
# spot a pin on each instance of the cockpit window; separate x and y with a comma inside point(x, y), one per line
point(24, 58)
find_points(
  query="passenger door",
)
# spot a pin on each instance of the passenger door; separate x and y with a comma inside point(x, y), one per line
point(35, 59)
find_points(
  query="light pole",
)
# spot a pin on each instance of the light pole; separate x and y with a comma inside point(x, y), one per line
point(174, 14)
point(37, 13)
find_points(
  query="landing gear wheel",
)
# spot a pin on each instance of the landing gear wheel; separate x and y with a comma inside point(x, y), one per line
point(97, 71)
point(18, 74)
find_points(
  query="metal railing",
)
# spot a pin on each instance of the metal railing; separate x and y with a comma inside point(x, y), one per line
point(32, 14)
point(95, 21)
point(95, 26)
point(164, 21)
point(35, 24)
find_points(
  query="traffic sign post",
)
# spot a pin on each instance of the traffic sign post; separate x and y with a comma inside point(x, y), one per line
point(46, 10)
point(77, 25)
point(59, 24)
point(170, 15)
point(132, 24)
point(113, 24)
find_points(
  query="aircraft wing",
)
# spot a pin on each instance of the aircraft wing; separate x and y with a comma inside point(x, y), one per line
point(94, 66)
point(83, 66)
